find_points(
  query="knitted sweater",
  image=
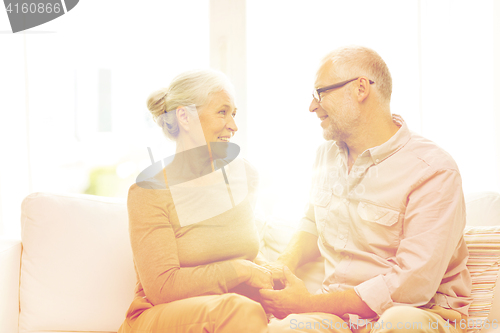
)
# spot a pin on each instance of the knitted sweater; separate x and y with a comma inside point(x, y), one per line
point(174, 262)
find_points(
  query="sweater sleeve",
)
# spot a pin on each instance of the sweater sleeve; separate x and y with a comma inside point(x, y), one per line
point(156, 257)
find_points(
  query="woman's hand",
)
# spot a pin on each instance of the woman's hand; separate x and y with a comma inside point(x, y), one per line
point(254, 275)
point(294, 298)
point(276, 269)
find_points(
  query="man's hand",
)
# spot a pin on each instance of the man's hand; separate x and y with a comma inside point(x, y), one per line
point(276, 269)
point(253, 275)
point(293, 299)
point(260, 277)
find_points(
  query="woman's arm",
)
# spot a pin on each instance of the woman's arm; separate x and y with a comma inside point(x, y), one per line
point(156, 257)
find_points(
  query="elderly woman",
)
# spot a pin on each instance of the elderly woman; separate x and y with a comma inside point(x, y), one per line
point(191, 224)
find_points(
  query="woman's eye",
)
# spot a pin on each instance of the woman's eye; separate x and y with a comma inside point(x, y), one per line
point(222, 112)
point(234, 114)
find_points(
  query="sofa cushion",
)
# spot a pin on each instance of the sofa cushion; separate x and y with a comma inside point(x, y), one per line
point(77, 270)
point(483, 209)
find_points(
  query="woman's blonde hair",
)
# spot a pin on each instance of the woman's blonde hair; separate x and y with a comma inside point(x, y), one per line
point(192, 88)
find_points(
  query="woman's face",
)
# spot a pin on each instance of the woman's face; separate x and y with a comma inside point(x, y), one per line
point(217, 118)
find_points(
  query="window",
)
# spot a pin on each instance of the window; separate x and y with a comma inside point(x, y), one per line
point(75, 116)
point(283, 56)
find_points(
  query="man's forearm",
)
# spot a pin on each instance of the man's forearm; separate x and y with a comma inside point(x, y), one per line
point(301, 249)
point(339, 303)
point(295, 298)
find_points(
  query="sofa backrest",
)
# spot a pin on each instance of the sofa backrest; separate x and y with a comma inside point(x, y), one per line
point(77, 270)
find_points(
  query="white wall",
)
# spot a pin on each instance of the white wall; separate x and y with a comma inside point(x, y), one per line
point(443, 56)
point(458, 87)
point(15, 179)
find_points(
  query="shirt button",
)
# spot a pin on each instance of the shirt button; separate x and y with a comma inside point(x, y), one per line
point(341, 236)
point(377, 160)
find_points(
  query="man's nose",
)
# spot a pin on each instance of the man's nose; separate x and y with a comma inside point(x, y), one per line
point(313, 106)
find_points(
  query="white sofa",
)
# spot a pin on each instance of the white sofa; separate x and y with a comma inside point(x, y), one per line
point(73, 270)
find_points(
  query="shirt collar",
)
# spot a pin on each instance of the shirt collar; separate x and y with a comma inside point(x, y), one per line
point(342, 150)
point(391, 146)
point(395, 143)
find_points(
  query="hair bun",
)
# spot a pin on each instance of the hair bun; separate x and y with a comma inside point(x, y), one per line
point(156, 102)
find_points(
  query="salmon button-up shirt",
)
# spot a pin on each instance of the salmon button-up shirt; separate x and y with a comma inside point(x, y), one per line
point(392, 227)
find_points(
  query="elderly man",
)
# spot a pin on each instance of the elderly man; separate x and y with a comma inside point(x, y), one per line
point(386, 212)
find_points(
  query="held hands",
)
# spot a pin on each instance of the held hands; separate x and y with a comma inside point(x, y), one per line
point(295, 298)
point(257, 276)
point(276, 269)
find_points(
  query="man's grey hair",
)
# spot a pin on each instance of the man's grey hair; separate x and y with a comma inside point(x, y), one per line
point(349, 62)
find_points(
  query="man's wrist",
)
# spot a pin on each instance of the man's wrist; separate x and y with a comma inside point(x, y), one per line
point(286, 261)
point(308, 303)
point(339, 303)
point(323, 303)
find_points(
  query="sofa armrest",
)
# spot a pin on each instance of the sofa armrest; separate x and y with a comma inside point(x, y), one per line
point(10, 266)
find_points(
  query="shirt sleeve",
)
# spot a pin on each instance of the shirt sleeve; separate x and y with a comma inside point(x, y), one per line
point(156, 258)
point(432, 234)
point(308, 223)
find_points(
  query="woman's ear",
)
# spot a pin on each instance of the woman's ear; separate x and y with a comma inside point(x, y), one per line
point(182, 118)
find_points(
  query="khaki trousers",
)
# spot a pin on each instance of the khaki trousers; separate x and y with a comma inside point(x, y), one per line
point(401, 319)
point(228, 313)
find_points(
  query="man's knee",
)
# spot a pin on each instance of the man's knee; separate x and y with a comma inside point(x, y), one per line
point(403, 313)
point(405, 319)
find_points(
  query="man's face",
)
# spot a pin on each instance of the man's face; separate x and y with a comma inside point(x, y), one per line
point(336, 110)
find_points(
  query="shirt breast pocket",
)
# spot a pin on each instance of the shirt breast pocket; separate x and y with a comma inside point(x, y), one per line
point(379, 228)
point(321, 199)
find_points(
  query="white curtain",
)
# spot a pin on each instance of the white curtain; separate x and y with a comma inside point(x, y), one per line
point(51, 80)
point(460, 91)
point(443, 56)
point(15, 175)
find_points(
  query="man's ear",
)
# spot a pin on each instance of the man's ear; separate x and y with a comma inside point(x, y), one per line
point(182, 118)
point(363, 89)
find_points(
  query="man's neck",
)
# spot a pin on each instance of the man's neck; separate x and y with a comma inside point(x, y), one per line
point(368, 136)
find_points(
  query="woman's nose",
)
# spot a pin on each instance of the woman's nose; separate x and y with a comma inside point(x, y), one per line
point(232, 124)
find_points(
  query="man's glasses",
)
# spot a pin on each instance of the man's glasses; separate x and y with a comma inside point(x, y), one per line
point(317, 92)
